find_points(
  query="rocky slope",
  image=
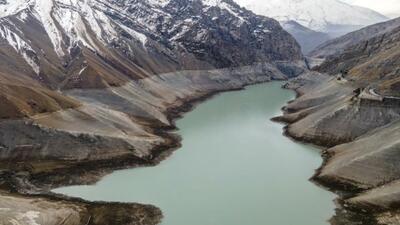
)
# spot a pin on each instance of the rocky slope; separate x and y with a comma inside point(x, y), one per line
point(100, 36)
point(89, 86)
point(351, 106)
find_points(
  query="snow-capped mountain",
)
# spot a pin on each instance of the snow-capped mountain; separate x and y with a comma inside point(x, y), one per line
point(66, 44)
point(328, 16)
point(61, 40)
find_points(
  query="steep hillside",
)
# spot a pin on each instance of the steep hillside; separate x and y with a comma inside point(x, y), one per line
point(61, 37)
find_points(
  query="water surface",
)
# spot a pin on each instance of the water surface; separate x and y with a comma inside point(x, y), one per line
point(235, 168)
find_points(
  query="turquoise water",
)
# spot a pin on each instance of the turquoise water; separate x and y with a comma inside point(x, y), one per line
point(235, 168)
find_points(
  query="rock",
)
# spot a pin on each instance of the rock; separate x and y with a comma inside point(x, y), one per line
point(16, 209)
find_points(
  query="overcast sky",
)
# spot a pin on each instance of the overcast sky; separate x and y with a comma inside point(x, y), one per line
point(389, 8)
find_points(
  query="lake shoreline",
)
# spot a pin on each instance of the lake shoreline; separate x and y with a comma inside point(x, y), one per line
point(98, 170)
point(346, 214)
point(38, 186)
point(74, 191)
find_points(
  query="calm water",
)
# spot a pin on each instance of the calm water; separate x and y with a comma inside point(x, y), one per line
point(235, 168)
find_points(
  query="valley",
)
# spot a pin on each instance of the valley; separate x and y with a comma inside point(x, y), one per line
point(226, 168)
point(88, 87)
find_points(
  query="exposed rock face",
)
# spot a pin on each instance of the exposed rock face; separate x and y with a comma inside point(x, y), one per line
point(217, 32)
point(68, 44)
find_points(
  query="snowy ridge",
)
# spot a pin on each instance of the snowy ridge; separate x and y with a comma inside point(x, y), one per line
point(179, 33)
point(19, 45)
point(43, 12)
point(72, 16)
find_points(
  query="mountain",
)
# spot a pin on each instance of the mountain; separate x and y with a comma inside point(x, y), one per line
point(338, 45)
point(307, 38)
point(90, 86)
point(101, 43)
point(351, 104)
point(328, 16)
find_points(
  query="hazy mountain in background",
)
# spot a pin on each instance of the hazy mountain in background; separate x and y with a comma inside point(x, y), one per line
point(307, 38)
point(332, 17)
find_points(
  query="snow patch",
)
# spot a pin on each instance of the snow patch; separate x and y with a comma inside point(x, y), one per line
point(20, 46)
point(138, 36)
point(43, 10)
point(12, 7)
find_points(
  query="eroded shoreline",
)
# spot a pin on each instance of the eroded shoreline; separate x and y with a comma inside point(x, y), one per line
point(230, 150)
point(309, 102)
point(37, 186)
point(89, 174)
point(20, 184)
